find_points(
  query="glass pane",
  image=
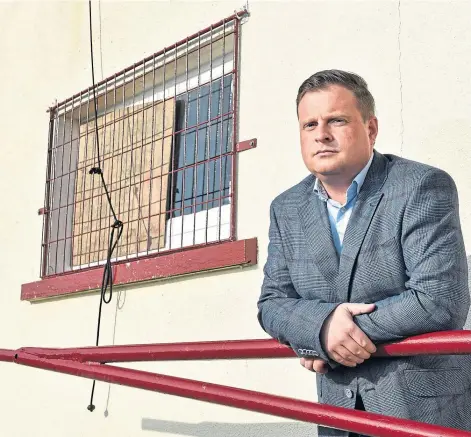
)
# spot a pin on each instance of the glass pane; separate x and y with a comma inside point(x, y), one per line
point(214, 139)
point(200, 186)
point(191, 108)
point(226, 135)
point(204, 103)
point(227, 98)
point(177, 193)
point(181, 105)
point(204, 144)
point(190, 147)
point(226, 177)
point(216, 99)
point(189, 187)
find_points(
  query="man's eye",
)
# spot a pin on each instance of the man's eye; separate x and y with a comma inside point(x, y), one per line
point(338, 121)
point(309, 125)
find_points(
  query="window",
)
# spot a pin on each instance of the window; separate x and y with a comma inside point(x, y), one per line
point(167, 148)
point(201, 196)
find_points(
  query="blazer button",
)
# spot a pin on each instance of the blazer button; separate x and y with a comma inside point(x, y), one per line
point(348, 393)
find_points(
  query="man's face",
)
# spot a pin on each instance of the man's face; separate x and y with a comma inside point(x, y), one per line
point(335, 141)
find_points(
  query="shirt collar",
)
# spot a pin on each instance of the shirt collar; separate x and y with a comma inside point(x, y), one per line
point(360, 177)
point(351, 193)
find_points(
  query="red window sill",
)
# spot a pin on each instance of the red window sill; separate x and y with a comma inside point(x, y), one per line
point(199, 259)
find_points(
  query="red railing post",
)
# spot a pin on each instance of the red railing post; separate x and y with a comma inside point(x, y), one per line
point(437, 343)
point(345, 419)
point(83, 362)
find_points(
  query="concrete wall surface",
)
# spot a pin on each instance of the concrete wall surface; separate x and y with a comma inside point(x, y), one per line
point(414, 56)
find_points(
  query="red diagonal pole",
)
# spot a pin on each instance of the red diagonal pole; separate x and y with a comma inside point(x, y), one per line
point(7, 355)
point(335, 417)
point(436, 343)
point(208, 350)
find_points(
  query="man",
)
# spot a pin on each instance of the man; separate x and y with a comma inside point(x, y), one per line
point(333, 291)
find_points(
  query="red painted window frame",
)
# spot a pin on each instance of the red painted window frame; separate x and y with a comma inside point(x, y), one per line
point(195, 259)
point(169, 264)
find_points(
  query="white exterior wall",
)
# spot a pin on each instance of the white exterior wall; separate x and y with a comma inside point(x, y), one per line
point(44, 54)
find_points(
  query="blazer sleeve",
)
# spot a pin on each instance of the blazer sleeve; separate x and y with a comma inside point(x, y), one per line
point(282, 313)
point(436, 296)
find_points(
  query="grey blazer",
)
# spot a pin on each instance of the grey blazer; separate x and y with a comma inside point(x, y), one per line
point(403, 250)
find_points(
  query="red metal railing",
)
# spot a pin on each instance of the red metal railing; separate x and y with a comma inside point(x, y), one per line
point(84, 362)
point(436, 343)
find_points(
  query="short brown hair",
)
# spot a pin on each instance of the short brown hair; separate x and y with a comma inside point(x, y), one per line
point(351, 81)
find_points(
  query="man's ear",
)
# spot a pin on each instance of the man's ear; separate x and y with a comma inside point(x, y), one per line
point(372, 129)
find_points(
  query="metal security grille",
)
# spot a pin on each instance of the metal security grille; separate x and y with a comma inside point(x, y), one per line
point(166, 131)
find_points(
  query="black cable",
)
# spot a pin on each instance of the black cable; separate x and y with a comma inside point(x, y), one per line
point(117, 226)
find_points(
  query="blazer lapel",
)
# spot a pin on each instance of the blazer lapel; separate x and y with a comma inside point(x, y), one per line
point(314, 219)
point(365, 207)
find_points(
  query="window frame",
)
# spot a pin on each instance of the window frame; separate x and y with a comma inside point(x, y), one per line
point(165, 263)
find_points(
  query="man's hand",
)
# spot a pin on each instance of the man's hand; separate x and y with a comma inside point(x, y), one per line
point(314, 365)
point(342, 339)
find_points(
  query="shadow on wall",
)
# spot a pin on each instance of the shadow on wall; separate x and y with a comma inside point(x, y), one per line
point(468, 322)
point(224, 429)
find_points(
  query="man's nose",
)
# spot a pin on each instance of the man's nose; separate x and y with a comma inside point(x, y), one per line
point(323, 134)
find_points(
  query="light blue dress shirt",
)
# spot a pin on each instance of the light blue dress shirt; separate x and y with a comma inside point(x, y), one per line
point(339, 215)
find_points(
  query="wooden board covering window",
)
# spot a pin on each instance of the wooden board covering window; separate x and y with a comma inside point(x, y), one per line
point(135, 147)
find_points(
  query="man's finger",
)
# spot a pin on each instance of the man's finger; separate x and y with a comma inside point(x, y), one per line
point(341, 360)
point(362, 339)
point(307, 363)
point(320, 366)
point(356, 309)
point(314, 365)
point(356, 350)
point(347, 355)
